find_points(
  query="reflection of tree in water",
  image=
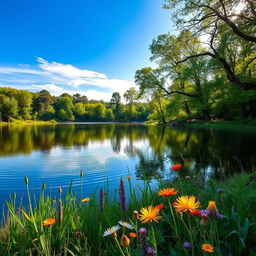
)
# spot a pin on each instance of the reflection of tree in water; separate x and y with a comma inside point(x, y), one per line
point(200, 150)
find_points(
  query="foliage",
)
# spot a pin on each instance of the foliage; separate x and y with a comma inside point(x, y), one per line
point(77, 227)
point(24, 105)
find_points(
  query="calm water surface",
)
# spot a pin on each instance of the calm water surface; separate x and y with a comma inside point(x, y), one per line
point(55, 154)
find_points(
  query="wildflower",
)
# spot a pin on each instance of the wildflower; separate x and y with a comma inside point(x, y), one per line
point(195, 212)
point(86, 200)
point(60, 212)
point(136, 215)
point(78, 234)
point(143, 231)
point(122, 195)
point(167, 192)
point(160, 206)
point(132, 234)
point(25, 215)
point(49, 222)
point(187, 177)
point(207, 248)
point(125, 241)
point(111, 231)
point(101, 200)
point(149, 214)
point(186, 245)
point(143, 240)
point(219, 190)
point(176, 167)
point(150, 252)
point(186, 203)
point(128, 177)
point(212, 208)
point(125, 224)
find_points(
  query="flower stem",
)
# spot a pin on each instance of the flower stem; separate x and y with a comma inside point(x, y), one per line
point(119, 247)
point(173, 217)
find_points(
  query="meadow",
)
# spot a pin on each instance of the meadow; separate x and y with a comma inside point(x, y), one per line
point(186, 216)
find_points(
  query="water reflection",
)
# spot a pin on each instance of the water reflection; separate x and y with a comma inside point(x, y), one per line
point(152, 148)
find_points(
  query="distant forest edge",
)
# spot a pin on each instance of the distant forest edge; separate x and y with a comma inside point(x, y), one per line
point(207, 71)
point(24, 105)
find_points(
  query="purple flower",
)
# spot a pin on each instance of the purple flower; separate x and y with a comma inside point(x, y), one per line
point(186, 245)
point(219, 216)
point(143, 231)
point(187, 177)
point(150, 252)
point(143, 241)
point(205, 212)
point(219, 190)
point(122, 195)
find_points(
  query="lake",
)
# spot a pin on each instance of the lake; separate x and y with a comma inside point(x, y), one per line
point(55, 154)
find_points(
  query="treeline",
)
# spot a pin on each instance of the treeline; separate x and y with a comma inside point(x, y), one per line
point(25, 105)
point(208, 70)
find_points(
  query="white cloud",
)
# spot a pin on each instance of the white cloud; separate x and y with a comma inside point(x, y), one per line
point(58, 78)
point(57, 91)
point(67, 70)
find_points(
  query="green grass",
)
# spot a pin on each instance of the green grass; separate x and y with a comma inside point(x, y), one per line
point(22, 122)
point(80, 230)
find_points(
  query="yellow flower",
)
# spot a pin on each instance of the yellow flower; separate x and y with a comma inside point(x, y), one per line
point(128, 177)
point(49, 222)
point(212, 207)
point(167, 192)
point(149, 214)
point(207, 248)
point(186, 203)
point(24, 214)
point(86, 200)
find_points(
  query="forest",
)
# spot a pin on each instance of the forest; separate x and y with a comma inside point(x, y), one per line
point(206, 71)
point(24, 105)
point(207, 68)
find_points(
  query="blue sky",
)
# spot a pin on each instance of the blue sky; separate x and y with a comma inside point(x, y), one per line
point(90, 47)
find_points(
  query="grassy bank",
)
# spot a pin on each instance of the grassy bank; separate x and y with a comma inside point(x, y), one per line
point(14, 121)
point(236, 124)
point(68, 225)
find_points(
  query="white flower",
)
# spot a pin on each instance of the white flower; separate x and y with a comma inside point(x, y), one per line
point(111, 231)
point(125, 224)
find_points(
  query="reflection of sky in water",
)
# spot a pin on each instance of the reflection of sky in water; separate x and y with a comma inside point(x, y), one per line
point(59, 165)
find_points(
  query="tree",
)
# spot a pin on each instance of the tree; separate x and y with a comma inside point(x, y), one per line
point(116, 100)
point(8, 107)
point(77, 98)
point(220, 21)
point(64, 108)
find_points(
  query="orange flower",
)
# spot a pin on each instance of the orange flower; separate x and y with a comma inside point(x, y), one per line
point(132, 234)
point(176, 167)
point(49, 222)
point(128, 177)
point(149, 214)
point(207, 248)
point(160, 206)
point(125, 241)
point(167, 192)
point(212, 207)
point(136, 215)
point(86, 200)
point(186, 203)
point(195, 212)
